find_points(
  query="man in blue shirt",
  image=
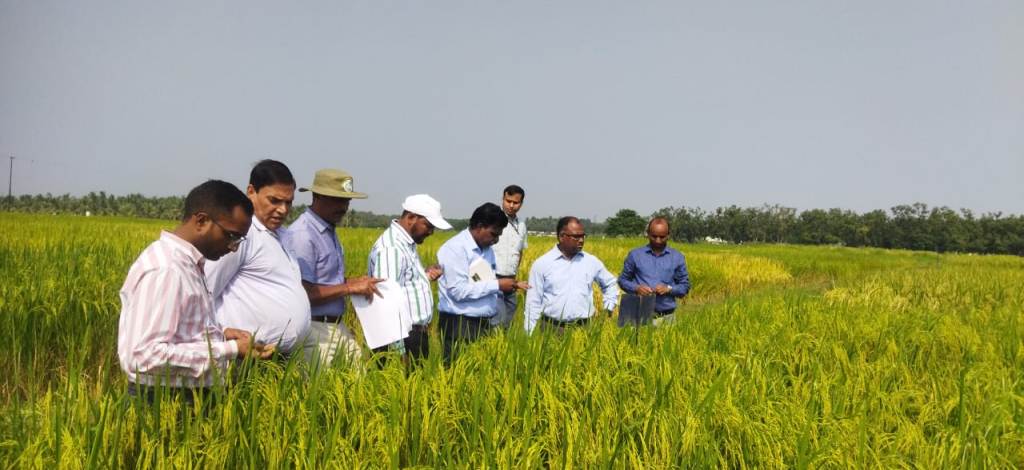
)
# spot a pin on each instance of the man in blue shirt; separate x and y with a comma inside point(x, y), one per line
point(657, 269)
point(313, 241)
point(467, 301)
point(561, 282)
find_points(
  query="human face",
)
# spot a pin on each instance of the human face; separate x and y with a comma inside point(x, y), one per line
point(486, 236)
point(511, 203)
point(421, 229)
point(224, 236)
point(330, 208)
point(657, 235)
point(571, 239)
point(272, 203)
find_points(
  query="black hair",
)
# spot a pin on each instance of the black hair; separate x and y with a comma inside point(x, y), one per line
point(268, 172)
point(565, 221)
point(217, 198)
point(662, 220)
point(488, 215)
point(513, 189)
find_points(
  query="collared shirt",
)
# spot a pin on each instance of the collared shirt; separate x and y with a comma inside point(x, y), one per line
point(259, 288)
point(456, 292)
point(509, 249)
point(562, 288)
point(167, 333)
point(314, 244)
point(642, 266)
point(394, 257)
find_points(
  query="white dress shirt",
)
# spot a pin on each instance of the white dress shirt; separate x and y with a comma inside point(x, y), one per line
point(259, 288)
point(562, 288)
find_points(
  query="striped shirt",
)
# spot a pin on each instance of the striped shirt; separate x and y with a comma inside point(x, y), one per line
point(167, 333)
point(509, 249)
point(394, 257)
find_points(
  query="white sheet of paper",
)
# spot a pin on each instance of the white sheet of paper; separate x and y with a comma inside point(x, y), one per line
point(480, 270)
point(383, 320)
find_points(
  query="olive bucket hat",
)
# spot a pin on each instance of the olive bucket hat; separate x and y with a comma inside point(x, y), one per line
point(336, 183)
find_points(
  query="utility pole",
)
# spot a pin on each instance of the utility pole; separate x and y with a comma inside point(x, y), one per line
point(10, 178)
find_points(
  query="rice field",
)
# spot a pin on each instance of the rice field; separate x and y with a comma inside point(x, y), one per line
point(783, 356)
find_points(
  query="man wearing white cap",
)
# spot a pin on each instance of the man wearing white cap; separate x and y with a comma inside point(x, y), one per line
point(394, 257)
point(313, 241)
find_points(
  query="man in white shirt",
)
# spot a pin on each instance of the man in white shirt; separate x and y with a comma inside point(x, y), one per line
point(509, 251)
point(259, 287)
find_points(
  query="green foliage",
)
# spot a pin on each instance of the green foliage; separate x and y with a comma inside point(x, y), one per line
point(626, 223)
point(782, 356)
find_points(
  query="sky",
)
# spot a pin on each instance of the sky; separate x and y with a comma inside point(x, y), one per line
point(591, 106)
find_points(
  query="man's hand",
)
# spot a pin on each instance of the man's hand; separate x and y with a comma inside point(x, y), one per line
point(507, 284)
point(434, 272)
point(522, 285)
point(244, 341)
point(365, 286)
point(662, 289)
point(643, 289)
point(263, 351)
point(238, 335)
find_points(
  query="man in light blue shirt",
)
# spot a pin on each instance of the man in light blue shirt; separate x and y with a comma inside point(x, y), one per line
point(313, 240)
point(467, 302)
point(561, 282)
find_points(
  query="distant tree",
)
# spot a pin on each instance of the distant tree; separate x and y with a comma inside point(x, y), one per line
point(625, 222)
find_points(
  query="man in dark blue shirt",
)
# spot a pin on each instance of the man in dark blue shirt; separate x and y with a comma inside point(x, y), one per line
point(656, 269)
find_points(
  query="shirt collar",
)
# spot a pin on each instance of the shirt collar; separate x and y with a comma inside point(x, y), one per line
point(256, 224)
point(318, 222)
point(648, 249)
point(559, 255)
point(402, 234)
point(185, 247)
point(470, 244)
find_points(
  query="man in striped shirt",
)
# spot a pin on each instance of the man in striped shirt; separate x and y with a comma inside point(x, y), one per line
point(394, 257)
point(167, 335)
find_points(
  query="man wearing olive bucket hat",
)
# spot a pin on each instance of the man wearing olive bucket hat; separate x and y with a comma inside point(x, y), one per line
point(313, 240)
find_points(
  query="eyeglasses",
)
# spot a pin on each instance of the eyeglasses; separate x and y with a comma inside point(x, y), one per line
point(575, 236)
point(234, 238)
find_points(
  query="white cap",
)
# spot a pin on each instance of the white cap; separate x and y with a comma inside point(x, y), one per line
point(426, 206)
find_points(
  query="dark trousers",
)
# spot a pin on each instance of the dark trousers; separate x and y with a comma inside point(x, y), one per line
point(417, 344)
point(459, 330)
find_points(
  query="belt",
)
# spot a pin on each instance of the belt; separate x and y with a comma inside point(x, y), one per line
point(327, 318)
point(564, 323)
point(502, 276)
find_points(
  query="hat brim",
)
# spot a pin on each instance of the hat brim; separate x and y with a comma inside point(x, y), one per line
point(334, 193)
point(439, 223)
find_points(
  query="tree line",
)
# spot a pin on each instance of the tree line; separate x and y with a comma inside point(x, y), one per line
point(914, 226)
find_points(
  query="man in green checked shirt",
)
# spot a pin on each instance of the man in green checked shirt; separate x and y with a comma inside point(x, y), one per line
point(394, 257)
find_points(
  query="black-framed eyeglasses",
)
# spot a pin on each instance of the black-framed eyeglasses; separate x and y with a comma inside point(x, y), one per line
point(234, 238)
point(575, 236)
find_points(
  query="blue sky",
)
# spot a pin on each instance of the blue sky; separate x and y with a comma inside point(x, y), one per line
point(591, 106)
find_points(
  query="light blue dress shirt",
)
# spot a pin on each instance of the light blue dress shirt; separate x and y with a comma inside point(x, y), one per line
point(456, 292)
point(562, 288)
point(314, 244)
